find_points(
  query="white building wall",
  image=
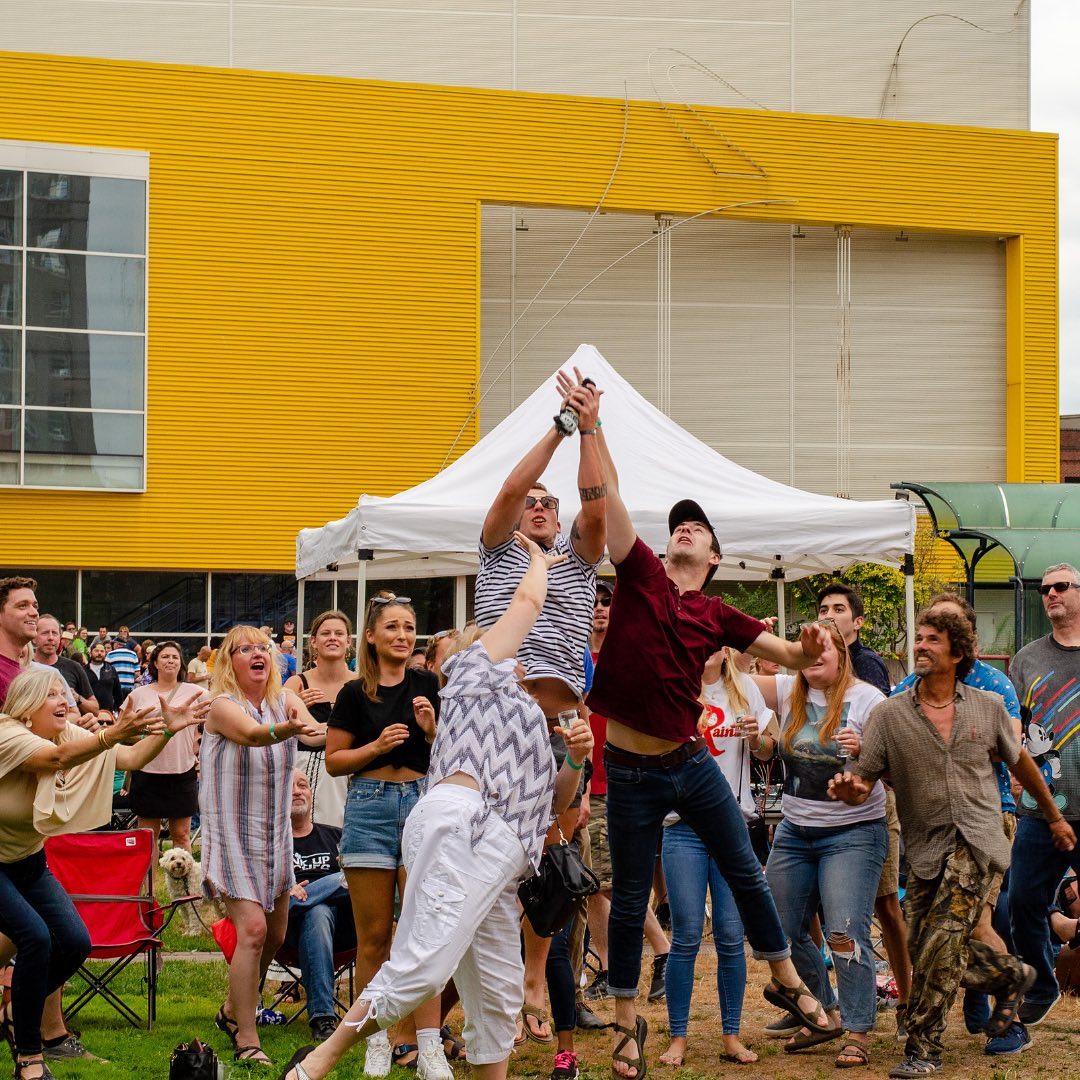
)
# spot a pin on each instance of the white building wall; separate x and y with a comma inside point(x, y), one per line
point(819, 56)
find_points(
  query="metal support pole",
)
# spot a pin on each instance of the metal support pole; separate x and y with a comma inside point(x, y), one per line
point(461, 600)
point(209, 604)
point(1018, 615)
point(781, 608)
point(365, 556)
point(78, 599)
point(909, 609)
point(300, 623)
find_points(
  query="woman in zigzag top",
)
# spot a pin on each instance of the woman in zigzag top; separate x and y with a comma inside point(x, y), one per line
point(492, 791)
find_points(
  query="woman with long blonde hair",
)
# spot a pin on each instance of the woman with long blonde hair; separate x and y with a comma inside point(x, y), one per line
point(826, 853)
point(55, 778)
point(245, 796)
point(379, 735)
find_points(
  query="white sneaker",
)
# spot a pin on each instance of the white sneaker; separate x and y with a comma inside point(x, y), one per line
point(377, 1058)
point(432, 1065)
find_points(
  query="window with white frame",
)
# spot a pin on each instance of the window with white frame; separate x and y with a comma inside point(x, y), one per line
point(72, 317)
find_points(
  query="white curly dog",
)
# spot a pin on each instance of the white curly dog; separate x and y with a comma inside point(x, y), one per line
point(183, 877)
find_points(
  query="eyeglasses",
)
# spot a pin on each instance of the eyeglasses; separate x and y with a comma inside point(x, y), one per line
point(603, 600)
point(548, 502)
point(1058, 587)
point(378, 601)
point(247, 650)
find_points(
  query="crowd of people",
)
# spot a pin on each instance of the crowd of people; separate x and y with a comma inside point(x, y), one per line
point(391, 806)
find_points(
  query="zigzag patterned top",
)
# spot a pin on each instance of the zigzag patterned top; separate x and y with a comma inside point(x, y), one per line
point(491, 730)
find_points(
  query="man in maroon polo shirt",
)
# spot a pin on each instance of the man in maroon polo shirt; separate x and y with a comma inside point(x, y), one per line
point(648, 681)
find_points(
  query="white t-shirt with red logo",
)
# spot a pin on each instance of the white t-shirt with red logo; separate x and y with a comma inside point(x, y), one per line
point(731, 751)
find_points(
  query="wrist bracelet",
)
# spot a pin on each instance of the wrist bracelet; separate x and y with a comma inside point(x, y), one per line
point(273, 733)
point(586, 431)
point(570, 762)
point(599, 422)
point(167, 734)
point(102, 741)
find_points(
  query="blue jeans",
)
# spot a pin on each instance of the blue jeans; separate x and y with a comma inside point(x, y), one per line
point(637, 802)
point(560, 981)
point(837, 869)
point(375, 813)
point(319, 927)
point(51, 940)
point(1037, 868)
point(690, 871)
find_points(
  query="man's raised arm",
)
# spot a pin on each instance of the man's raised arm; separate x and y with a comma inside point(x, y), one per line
point(505, 512)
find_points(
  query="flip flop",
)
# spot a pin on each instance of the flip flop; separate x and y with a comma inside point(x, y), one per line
point(639, 1034)
point(528, 1011)
point(787, 998)
point(295, 1067)
point(803, 1041)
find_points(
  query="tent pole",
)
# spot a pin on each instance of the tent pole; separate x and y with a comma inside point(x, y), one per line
point(781, 611)
point(361, 598)
point(300, 624)
point(461, 600)
point(909, 609)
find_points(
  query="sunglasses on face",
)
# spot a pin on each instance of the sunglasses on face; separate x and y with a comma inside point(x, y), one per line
point(247, 650)
point(1058, 587)
point(378, 601)
point(602, 600)
point(548, 502)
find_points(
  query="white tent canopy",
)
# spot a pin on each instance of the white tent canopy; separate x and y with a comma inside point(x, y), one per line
point(432, 530)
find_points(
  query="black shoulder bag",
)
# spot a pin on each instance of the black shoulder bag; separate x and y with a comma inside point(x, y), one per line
point(562, 884)
point(193, 1061)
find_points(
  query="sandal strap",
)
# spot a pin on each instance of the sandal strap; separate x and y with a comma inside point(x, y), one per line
point(247, 1053)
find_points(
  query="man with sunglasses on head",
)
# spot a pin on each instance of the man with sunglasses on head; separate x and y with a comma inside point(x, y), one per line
point(1046, 675)
point(553, 652)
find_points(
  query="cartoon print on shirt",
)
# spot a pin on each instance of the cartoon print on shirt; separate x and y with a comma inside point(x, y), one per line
point(1043, 738)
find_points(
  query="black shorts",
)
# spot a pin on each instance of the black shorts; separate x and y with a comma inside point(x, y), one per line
point(165, 795)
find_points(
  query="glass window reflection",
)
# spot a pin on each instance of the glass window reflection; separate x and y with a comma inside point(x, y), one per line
point(58, 432)
point(86, 213)
point(147, 602)
point(10, 287)
point(84, 371)
point(85, 292)
point(9, 446)
point(10, 208)
point(10, 368)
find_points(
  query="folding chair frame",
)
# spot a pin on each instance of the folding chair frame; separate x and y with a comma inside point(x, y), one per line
point(98, 985)
point(293, 970)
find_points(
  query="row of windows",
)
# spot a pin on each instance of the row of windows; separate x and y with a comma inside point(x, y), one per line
point(72, 330)
point(158, 603)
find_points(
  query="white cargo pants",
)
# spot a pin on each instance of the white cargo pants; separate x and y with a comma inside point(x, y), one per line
point(459, 919)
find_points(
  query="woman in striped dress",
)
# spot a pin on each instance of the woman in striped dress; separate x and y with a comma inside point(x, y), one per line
point(245, 793)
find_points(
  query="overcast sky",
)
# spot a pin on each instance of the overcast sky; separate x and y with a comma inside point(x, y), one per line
point(1055, 106)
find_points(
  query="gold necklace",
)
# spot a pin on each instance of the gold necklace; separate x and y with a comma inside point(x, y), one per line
point(936, 705)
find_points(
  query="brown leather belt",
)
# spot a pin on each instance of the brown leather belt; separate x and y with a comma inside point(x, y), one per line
point(671, 760)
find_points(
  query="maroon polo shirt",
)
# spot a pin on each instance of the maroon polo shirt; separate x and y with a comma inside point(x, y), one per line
point(648, 673)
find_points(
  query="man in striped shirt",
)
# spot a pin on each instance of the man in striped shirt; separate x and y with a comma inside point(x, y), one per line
point(126, 664)
point(552, 654)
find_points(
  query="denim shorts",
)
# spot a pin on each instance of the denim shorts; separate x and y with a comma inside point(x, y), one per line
point(375, 813)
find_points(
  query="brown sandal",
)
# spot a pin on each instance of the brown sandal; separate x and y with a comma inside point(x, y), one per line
point(853, 1050)
point(787, 998)
point(252, 1055)
point(639, 1033)
point(537, 1015)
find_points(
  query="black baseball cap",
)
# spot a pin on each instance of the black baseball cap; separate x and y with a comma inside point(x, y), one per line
point(688, 510)
point(606, 586)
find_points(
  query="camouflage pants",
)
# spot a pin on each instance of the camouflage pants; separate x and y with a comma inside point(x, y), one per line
point(941, 914)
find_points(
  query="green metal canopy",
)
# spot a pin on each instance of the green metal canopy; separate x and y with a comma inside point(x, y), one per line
point(1036, 525)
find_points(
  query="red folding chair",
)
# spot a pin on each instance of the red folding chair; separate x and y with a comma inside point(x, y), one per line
point(108, 876)
point(289, 960)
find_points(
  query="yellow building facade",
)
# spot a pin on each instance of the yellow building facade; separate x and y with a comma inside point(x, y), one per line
point(313, 310)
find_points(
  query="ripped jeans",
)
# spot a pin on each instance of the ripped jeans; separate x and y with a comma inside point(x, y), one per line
point(837, 869)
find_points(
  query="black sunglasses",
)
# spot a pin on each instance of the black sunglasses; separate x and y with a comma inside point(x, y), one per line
point(548, 502)
point(602, 600)
point(1058, 587)
point(380, 600)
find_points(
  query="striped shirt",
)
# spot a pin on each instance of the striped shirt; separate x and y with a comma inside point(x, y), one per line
point(491, 730)
point(556, 644)
point(245, 796)
point(127, 666)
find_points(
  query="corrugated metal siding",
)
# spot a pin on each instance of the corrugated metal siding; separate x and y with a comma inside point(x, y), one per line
point(827, 56)
point(313, 322)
